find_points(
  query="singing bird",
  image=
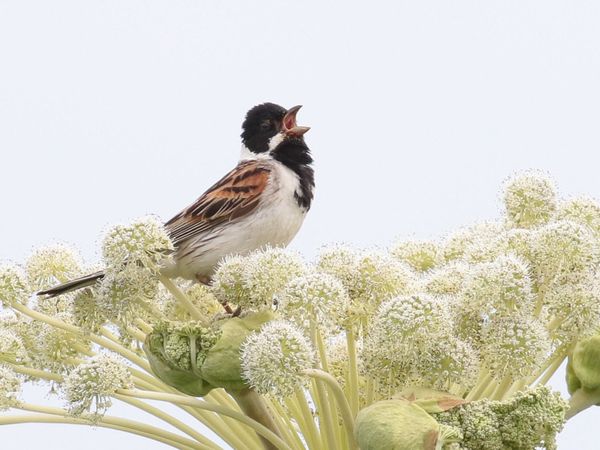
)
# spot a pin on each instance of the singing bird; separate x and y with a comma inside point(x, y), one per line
point(262, 201)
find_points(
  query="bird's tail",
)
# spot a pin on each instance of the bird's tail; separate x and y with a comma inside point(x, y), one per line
point(73, 285)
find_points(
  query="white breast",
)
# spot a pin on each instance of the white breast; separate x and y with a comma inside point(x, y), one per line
point(275, 222)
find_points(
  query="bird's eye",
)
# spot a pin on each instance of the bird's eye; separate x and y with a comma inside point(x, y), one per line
point(265, 125)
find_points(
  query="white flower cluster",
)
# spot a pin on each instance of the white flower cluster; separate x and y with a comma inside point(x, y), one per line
point(315, 297)
point(252, 281)
point(10, 388)
point(273, 359)
point(412, 339)
point(14, 287)
point(89, 386)
point(529, 199)
point(51, 265)
point(143, 241)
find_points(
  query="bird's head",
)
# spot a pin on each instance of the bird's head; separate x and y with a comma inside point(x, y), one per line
point(270, 129)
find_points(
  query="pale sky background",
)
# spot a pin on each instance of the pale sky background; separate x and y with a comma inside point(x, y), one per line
point(110, 110)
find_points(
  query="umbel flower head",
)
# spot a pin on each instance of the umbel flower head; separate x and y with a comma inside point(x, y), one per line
point(420, 255)
point(529, 199)
point(10, 388)
point(143, 241)
point(317, 297)
point(51, 265)
point(273, 360)
point(500, 287)
point(563, 249)
point(89, 387)
point(123, 293)
point(370, 277)
point(583, 210)
point(481, 242)
point(252, 281)
point(12, 349)
point(514, 346)
point(14, 287)
point(411, 340)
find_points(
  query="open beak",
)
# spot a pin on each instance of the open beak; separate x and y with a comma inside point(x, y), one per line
point(289, 126)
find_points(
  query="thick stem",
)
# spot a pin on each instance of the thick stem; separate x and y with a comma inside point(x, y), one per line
point(340, 398)
point(254, 407)
point(581, 400)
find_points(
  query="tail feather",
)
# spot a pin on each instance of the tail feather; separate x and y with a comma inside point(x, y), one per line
point(73, 285)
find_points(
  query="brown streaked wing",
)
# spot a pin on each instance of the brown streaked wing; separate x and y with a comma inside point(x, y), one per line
point(234, 196)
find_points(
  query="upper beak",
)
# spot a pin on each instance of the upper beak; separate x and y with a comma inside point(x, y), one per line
point(289, 126)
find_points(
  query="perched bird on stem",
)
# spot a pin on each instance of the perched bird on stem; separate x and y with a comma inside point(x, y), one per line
point(262, 201)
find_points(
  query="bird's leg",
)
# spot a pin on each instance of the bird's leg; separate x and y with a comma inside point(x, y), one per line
point(207, 281)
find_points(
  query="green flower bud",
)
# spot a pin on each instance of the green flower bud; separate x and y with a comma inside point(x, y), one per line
point(195, 359)
point(222, 366)
point(573, 383)
point(585, 363)
point(396, 424)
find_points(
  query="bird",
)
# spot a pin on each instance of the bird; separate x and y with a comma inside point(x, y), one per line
point(261, 202)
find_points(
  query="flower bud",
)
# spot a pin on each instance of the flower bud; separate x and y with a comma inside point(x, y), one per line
point(585, 362)
point(195, 359)
point(396, 424)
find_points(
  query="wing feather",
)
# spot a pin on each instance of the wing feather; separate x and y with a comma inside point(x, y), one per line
point(232, 197)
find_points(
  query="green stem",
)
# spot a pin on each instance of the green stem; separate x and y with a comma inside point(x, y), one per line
point(46, 418)
point(312, 433)
point(126, 424)
point(502, 388)
point(581, 400)
point(254, 407)
point(156, 412)
point(183, 400)
point(551, 369)
point(284, 422)
point(42, 374)
point(340, 398)
point(182, 298)
point(326, 424)
point(352, 371)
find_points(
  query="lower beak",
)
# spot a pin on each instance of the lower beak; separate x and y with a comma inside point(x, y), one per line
point(289, 126)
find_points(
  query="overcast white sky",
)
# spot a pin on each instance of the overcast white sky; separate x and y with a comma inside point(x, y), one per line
point(113, 109)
